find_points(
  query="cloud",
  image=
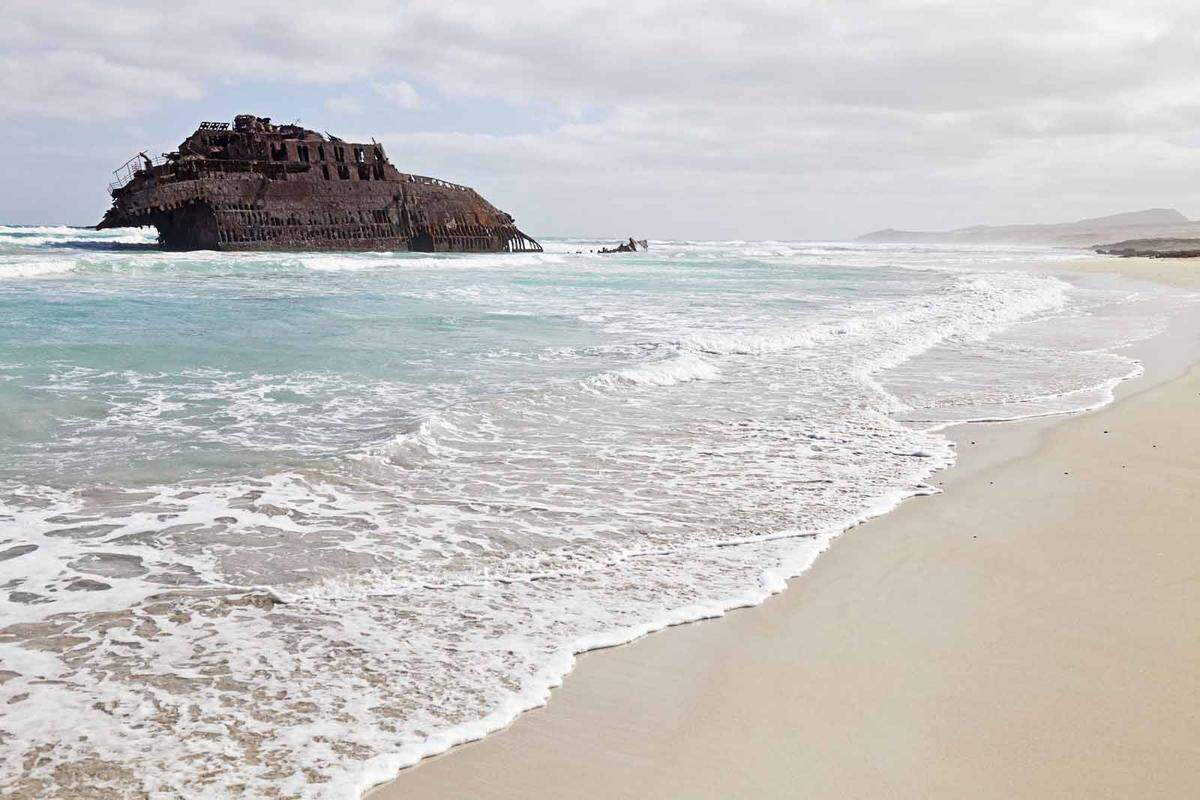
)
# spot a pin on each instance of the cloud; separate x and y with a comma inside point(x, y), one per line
point(399, 93)
point(344, 104)
point(776, 118)
point(70, 84)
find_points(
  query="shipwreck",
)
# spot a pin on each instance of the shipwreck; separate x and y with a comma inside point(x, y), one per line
point(632, 246)
point(259, 186)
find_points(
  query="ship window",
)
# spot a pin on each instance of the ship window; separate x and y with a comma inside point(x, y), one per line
point(339, 154)
point(344, 172)
point(364, 172)
point(325, 171)
point(302, 152)
point(358, 155)
point(321, 152)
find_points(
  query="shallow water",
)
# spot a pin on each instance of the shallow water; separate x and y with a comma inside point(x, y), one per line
point(279, 524)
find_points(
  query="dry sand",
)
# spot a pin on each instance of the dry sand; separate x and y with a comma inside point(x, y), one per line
point(1032, 632)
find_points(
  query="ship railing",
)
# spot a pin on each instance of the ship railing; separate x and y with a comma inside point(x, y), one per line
point(125, 173)
point(437, 182)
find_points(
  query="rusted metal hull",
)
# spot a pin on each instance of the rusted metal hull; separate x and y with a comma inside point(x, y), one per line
point(361, 203)
point(248, 214)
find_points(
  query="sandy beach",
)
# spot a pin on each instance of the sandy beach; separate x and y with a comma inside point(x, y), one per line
point(1032, 631)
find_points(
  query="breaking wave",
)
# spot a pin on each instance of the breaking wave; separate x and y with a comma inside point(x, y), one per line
point(35, 269)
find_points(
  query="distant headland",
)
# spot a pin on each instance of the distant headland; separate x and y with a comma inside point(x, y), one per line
point(1153, 223)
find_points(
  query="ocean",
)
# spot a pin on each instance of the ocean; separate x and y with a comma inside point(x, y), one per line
point(281, 524)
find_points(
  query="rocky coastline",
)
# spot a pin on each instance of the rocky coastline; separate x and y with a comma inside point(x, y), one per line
point(1152, 248)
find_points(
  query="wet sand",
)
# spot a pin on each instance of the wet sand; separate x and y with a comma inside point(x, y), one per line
point(1033, 631)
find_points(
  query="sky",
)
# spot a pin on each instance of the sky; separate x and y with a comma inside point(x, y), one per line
point(702, 120)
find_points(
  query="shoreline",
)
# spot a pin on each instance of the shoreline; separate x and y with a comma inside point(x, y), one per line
point(567, 746)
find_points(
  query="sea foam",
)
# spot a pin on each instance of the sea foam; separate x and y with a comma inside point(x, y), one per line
point(285, 523)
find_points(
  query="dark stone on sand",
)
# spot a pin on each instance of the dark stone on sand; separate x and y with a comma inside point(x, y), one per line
point(19, 550)
point(27, 598)
point(261, 600)
point(110, 565)
point(84, 531)
point(87, 585)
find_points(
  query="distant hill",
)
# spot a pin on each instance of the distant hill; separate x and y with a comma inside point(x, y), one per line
point(1153, 223)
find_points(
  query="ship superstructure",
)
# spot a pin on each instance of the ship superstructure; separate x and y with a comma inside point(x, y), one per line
point(259, 186)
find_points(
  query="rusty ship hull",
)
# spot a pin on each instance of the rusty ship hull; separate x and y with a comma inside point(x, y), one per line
point(260, 187)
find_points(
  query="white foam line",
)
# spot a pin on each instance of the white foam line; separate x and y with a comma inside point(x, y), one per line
point(535, 692)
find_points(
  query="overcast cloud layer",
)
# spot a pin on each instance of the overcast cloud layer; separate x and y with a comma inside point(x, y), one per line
point(660, 119)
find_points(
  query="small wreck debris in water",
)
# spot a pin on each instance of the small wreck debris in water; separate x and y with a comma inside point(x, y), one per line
point(632, 246)
point(259, 186)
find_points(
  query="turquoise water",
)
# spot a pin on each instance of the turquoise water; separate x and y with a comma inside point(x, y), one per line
point(286, 522)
